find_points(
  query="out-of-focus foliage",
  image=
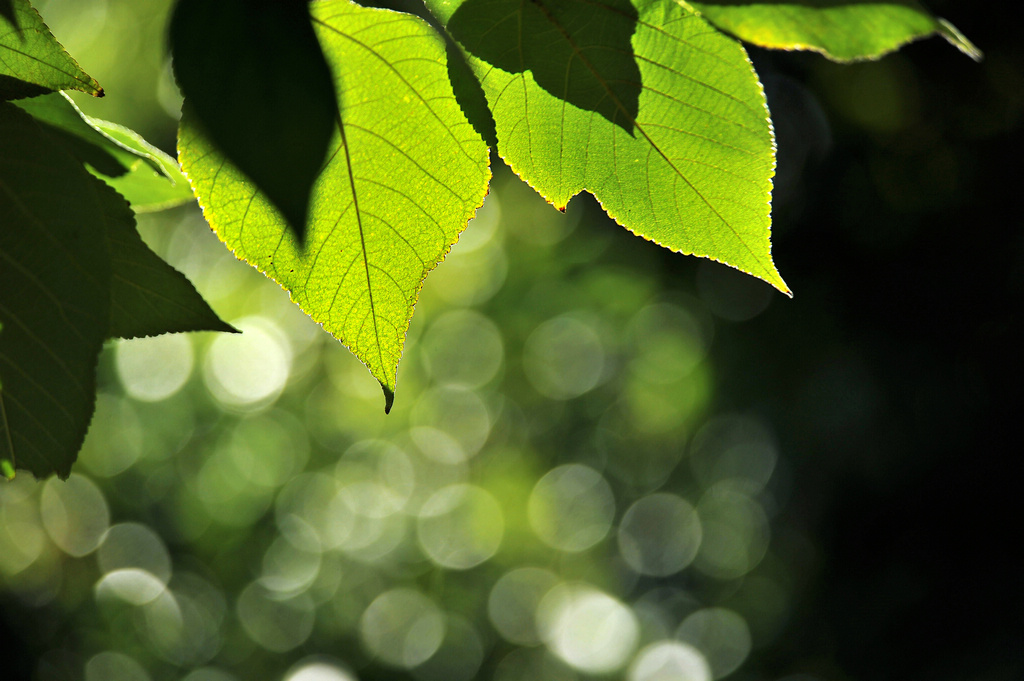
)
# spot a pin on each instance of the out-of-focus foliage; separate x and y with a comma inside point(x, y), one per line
point(561, 480)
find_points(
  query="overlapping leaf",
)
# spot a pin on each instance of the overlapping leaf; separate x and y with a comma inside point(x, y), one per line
point(259, 86)
point(405, 173)
point(146, 176)
point(842, 30)
point(657, 114)
point(32, 62)
point(54, 295)
point(73, 272)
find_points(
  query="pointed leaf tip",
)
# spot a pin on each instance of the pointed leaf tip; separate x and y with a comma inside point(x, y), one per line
point(389, 398)
point(7, 469)
point(406, 173)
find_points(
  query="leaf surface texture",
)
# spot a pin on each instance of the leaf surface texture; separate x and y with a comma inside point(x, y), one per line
point(405, 173)
point(643, 104)
point(32, 62)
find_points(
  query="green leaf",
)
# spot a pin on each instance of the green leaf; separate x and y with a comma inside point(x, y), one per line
point(842, 30)
point(150, 179)
point(405, 173)
point(644, 105)
point(73, 272)
point(54, 295)
point(32, 62)
point(148, 297)
point(260, 88)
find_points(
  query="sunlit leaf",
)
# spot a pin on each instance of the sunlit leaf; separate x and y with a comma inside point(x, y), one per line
point(150, 179)
point(843, 30)
point(658, 115)
point(405, 173)
point(54, 295)
point(32, 62)
point(259, 86)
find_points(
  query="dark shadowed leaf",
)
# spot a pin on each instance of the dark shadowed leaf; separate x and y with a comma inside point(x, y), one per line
point(148, 297)
point(54, 294)
point(258, 85)
point(73, 272)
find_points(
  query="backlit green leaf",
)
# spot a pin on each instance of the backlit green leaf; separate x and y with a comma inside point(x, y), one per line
point(658, 115)
point(54, 295)
point(259, 86)
point(150, 179)
point(843, 30)
point(405, 173)
point(32, 62)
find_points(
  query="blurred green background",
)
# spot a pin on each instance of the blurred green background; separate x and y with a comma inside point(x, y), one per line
point(605, 460)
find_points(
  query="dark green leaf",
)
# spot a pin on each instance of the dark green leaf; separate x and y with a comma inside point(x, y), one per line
point(54, 294)
point(150, 179)
point(73, 271)
point(842, 30)
point(148, 297)
point(32, 62)
point(258, 85)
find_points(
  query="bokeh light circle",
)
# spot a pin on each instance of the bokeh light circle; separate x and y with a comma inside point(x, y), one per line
point(110, 665)
point(564, 358)
point(318, 670)
point(722, 635)
point(736, 532)
point(571, 508)
point(277, 623)
point(669, 661)
point(402, 628)
point(460, 526)
point(659, 535)
point(587, 628)
point(153, 369)
point(74, 513)
point(248, 370)
point(513, 602)
point(462, 348)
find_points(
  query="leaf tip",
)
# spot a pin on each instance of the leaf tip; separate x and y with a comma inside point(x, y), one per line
point(7, 469)
point(958, 40)
point(389, 398)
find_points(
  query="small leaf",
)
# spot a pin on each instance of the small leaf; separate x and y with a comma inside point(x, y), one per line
point(644, 105)
point(54, 295)
point(261, 90)
point(150, 179)
point(32, 62)
point(842, 30)
point(405, 174)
